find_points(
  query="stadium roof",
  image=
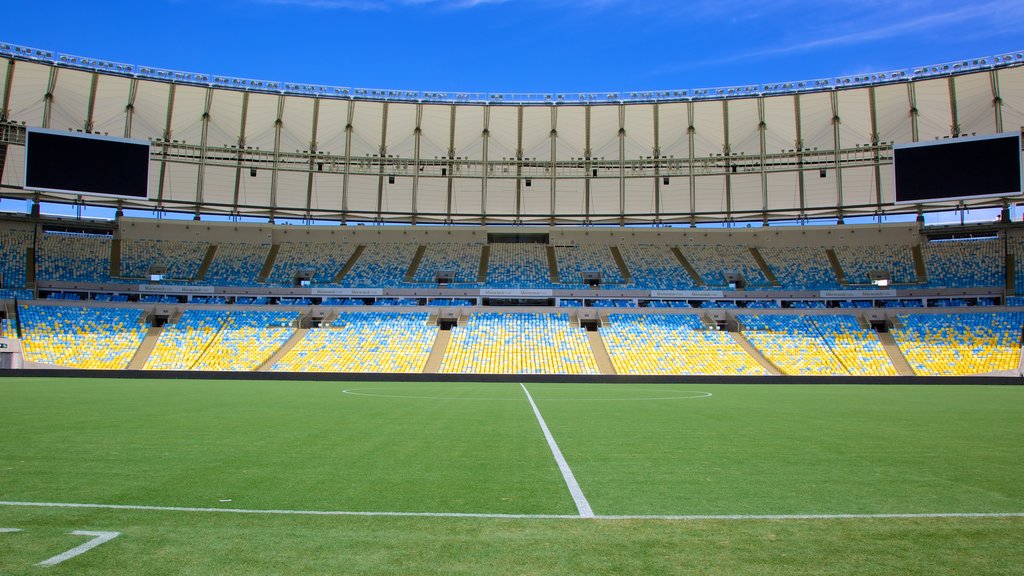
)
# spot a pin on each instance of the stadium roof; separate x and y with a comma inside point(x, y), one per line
point(813, 149)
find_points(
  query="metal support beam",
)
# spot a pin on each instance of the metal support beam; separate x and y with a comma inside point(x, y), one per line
point(553, 163)
point(873, 109)
point(691, 133)
point(838, 165)
point(762, 129)
point(241, 152)
point(656, 154)
point(382, 153)
point(278, 126)
point(727, 153)
point(519, 165)
point(350, 117)
point(997, 100)
point(51, 85)
point(622, 164)
point(799, 147)
point(203, 142)
point(5, 106)
point(129, 108)
point(588, 167)
point(165, 147)
point(954, 115)
point(314, 161)
point(94, 80)
point(451, 165)
point(417, 137)
point(486, 135)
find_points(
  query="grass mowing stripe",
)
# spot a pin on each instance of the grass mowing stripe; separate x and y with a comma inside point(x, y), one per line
point(570, 481)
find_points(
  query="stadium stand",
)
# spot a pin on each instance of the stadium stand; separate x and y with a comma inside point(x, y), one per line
point(960, 344)
point(655, 267)
point(858, 261)
point(181, 257)
point(364, 342)
point(713, 261)
point(73, 257)
point(79, 337)
point(964, 263)
point(573, 260)
point(800, 268)
point(236, 264)
point(673, 344)
point(461, 258)
point(13, 245)
point(518, 266)
point(381, 264)
point(518, 343)
point(323, 259)
point(231, 340)
point(817, 345)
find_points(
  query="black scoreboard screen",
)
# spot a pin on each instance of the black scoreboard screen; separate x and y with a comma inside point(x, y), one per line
point(958, 168)
point(86, 164)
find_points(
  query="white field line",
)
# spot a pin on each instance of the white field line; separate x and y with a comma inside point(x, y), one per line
point(570, 481)
point(691, 517)
point(97, 539)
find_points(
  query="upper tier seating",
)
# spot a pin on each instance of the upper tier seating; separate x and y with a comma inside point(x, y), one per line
point(960, 344)
point(324, 260)
point(712, 262)
point(800, 267)
point(75, 337)
point(518, 266)
point(859, 261)
point(236, 264)
point(965, 263)
point(573, 260)
point(381, 264)
point(73, 257)
point(655, 268)
point(673, 344)
point(518, 343)
point(364, 342)
point(463, 259)
point(182, 258)
point(14, 242)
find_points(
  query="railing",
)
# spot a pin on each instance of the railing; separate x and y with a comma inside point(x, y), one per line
point(384, 94)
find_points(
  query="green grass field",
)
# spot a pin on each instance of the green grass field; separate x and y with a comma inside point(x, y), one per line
point(659, 465)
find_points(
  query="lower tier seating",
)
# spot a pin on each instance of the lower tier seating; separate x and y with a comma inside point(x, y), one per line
point(75, 337)
point(518, 343)
point(673, 344)
point(364, 342)
point(960, 344)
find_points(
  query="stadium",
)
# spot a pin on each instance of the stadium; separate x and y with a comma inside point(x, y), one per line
point(620, 332)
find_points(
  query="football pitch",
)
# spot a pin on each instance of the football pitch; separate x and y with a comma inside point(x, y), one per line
point(159, 476)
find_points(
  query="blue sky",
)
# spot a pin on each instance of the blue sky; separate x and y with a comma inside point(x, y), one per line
point(523, 45)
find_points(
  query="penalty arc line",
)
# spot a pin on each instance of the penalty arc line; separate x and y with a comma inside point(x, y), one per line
point(570, 480)
point(677, 517)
